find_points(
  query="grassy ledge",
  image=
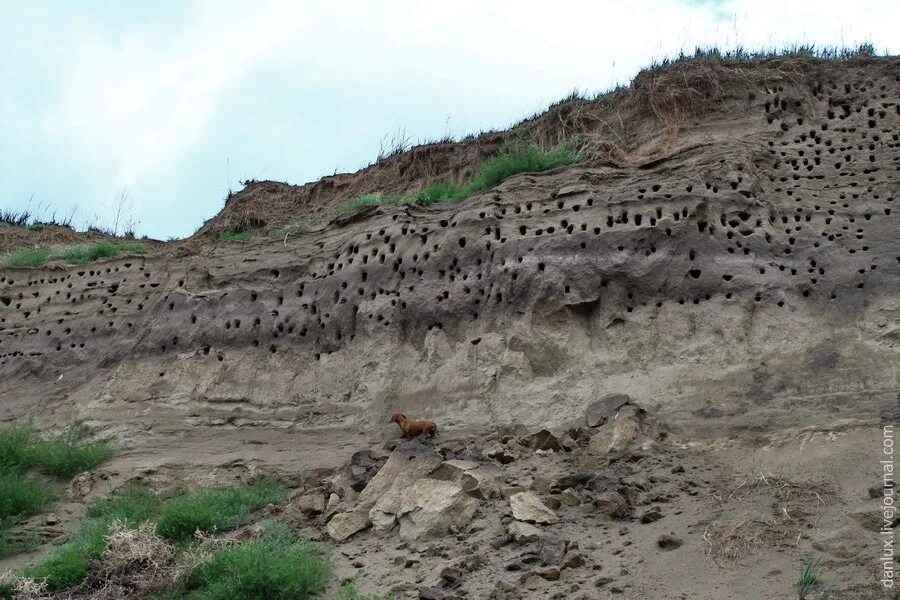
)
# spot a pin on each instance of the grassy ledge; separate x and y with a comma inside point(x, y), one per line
point(236, 236)
point(76, 255)
point(517, 157)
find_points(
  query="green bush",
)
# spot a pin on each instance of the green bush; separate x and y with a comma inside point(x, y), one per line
point(15, 442)
point(349, 591)
point(28, 257)
point(517, 157)
point(278, 566)
point(21, 496)
point(67, 455)
point(215, 509)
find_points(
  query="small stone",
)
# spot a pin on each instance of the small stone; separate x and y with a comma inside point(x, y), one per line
point(523, 533)
point(433, 593)
point(569, 497)
point(552, 552)
point(669, 542)
point(613, 505)
point(650, 516)
point(573, 560)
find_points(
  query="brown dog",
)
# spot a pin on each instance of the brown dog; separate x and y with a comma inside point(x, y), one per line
point(412, 429)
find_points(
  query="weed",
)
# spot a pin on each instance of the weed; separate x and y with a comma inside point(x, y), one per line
point(215, 509)
point(28, 257)
point(810, 581)
point(278, 565)
point(236, 236)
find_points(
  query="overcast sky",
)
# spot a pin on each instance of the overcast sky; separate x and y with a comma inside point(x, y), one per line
point(179, 100)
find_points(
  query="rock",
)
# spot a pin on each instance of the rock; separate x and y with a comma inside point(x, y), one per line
point(453, 470)
point(669, 542)
point(574, 480)
point(500, 453)
point(80, 486)
point(384, 495)
point(640, 482)
point(600, 411)
point(548, 573)
point(613, 505)
point(526, 506)
point(434, 593)
point(523, 533)
point(481, 482)
point(311, 533)
point(552, 502)
point(542, 440)
point(432, 507)
point(311, 503)
point(569, 497)
point(628, 427)
point(51, 519)
point(552, 552)
point(573, 188)
point(451, 576)
point(505, 591)
point(573, 560)
point(651, 515)
point(343, 525)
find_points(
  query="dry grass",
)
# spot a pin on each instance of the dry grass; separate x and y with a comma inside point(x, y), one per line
point(792, 509)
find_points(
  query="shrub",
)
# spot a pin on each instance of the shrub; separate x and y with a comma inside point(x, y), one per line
point(215, 509)
point(21, 496)
point(67, 455)
point(349, 591)
point(278, 566)
point(15, 442)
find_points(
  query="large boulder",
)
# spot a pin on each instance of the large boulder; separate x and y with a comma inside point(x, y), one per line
point(631, 426)
point(431, 508)
point(380, 500)
point(526, 506)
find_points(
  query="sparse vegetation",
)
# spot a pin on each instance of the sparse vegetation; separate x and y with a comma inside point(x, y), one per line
point(236, 236)
point(78, 255)
point(518, 157)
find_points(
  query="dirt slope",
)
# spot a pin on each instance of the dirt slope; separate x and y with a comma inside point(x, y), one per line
point(727, 256)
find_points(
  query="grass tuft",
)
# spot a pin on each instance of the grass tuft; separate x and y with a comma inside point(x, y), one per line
point(216, 509)
point(277, 566)
point(356, 204)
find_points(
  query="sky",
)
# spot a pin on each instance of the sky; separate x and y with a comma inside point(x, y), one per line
point(171, 103)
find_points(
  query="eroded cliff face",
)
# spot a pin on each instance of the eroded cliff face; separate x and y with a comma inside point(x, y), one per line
point(748, 278)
